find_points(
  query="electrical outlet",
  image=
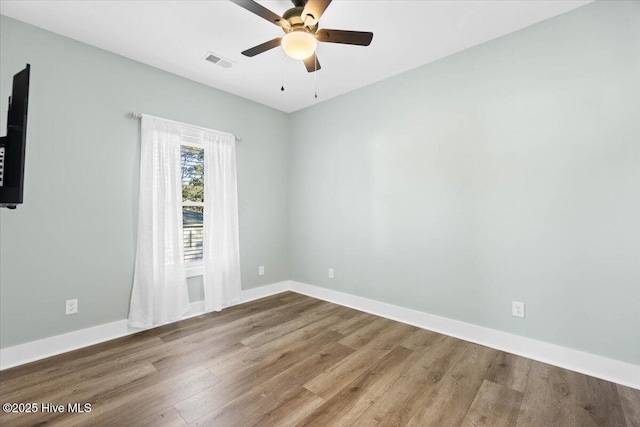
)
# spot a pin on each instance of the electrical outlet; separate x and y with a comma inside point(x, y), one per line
point(517, 309)
point(71, 306)
point(330, 274)
point(261, 270)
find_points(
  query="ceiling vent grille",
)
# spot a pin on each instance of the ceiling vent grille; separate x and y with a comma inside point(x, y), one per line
point(214, 58)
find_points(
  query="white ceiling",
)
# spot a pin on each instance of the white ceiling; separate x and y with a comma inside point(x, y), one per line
point(176, 35)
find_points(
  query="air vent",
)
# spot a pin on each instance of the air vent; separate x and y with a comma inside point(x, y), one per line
point(214, 58)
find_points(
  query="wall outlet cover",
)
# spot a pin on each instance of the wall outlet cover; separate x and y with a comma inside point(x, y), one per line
point(71, 306)
point(517, 309)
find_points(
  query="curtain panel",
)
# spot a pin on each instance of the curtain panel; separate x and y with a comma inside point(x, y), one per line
point(221, 236)
point(160, 292)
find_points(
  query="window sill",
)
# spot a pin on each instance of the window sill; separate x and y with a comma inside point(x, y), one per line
point(194, 269)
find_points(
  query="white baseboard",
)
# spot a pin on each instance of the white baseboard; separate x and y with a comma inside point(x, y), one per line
point(598, 366)
point(590, 364)
point(264, 291)
point(47, 347)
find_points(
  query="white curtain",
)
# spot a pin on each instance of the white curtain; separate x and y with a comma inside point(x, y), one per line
point(160, 292)
point(221, 238)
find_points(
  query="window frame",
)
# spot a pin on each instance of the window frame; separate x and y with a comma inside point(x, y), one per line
point(193, 268)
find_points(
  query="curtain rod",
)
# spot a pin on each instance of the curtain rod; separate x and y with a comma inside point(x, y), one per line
point(133, 115)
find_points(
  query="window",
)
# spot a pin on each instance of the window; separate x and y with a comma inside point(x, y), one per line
point(192, 162)
point(174, 158)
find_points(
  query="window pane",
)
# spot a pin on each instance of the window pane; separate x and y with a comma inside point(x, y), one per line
point(192, 161)
point(193, 232)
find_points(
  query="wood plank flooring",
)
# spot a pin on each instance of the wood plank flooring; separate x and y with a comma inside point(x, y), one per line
point(291, 360)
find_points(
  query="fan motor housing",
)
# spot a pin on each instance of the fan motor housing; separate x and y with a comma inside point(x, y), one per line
point(293, 16)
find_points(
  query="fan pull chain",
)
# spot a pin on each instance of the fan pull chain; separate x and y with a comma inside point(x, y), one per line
point(282, 73)
point(315, 74)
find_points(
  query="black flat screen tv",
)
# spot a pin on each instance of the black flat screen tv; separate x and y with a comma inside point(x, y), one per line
point(12, 146)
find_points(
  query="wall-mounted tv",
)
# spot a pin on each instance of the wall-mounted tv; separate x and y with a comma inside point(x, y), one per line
point(12, 146)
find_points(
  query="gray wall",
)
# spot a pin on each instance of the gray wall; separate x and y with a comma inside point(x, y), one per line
point(510, 171)
point(75, 235)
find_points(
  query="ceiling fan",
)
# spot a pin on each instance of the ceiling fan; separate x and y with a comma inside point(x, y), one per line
point(302, 35)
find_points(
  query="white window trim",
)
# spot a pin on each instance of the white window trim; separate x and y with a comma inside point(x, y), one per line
point(194, 269)
point(188, 143)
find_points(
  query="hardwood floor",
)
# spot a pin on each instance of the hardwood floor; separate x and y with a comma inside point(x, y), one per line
point(291, 360)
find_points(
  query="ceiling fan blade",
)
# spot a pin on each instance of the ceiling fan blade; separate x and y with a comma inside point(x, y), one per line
point(262, 12)
point(315, 8)
point(360, 38)
point(312, 63)
point(262, 47)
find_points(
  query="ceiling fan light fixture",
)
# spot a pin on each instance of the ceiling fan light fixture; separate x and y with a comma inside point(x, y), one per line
point(299, 44)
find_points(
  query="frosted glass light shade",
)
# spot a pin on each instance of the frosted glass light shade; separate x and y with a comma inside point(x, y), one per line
point(299, 44)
